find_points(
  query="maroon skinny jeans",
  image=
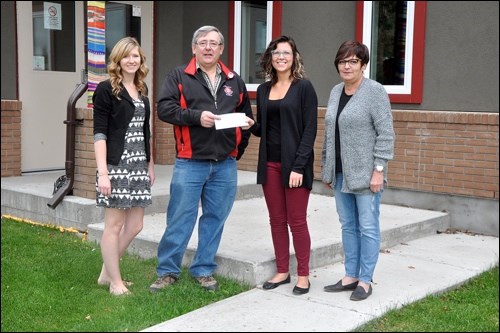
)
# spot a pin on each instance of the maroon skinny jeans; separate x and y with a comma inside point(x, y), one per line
point(287, 207)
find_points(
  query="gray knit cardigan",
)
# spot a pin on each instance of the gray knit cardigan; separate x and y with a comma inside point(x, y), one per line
point(366, 136)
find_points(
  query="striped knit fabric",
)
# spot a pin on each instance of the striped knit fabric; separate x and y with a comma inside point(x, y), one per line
point(96, 35)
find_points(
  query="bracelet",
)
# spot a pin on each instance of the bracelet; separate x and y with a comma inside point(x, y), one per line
point(102, 174)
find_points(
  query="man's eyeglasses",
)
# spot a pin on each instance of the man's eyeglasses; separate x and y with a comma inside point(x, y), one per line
point(284, 54)
point(351, 62)
point(211, 44)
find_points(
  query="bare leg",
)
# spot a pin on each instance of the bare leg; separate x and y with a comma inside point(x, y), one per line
point(303, 281)
point(132, 225)
point(278, 277)
point(114, 220)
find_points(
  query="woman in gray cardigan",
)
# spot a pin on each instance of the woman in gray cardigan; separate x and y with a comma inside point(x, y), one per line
point(287, 112)
point(358, 143)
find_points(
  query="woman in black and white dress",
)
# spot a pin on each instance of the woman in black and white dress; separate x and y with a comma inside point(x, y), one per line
point(125, 168)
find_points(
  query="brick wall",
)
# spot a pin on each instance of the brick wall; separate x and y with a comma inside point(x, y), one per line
point(441, 152)
point(446, 152)
point(11, 138)
point(85, 165)
point(164, 142)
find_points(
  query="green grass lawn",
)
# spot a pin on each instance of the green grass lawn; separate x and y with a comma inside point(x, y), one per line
point(49, 283)
point(473, 307)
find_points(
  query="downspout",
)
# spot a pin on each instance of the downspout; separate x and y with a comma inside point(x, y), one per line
point(64, 184)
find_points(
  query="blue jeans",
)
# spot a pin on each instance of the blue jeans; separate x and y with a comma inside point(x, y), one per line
point(214, 183)
point(359, 217)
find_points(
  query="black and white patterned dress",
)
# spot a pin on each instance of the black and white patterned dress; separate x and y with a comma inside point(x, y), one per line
point(130, 185)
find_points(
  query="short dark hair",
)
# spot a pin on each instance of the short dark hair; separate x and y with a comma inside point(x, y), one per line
point(350, 48)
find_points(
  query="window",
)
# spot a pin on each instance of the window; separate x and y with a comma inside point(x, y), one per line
point(254, 25)
point(394, 32)
point(54, 36)
point(121, 21)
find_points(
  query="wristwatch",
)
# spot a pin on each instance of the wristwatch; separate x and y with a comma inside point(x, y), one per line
point(379, 168)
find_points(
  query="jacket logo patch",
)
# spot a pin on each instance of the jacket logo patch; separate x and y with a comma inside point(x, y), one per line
point(228, 90)
point(230, 75)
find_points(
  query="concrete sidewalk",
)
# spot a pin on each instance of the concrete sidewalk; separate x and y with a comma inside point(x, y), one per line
point(405, 273)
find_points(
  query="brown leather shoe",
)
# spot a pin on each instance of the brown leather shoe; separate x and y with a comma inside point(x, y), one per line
point(162, 282)
point(208, 282)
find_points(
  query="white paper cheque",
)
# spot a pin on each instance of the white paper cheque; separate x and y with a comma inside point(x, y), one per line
point(228, 120)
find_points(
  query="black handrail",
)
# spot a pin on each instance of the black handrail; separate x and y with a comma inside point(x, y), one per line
point(64, 184)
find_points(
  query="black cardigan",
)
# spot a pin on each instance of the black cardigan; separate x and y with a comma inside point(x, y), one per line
point(112, 117)
point(299, 119)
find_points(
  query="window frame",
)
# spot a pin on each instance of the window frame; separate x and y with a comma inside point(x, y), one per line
point(411, 92)
point(57, 39)
point(274, 13)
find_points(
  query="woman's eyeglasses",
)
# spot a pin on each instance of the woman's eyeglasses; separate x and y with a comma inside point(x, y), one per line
point(284, 54)
point(351, 62)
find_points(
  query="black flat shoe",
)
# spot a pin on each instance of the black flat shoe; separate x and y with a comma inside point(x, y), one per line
point(301, 291)
point(271, 285)
point(360, 294)
point(335, 288)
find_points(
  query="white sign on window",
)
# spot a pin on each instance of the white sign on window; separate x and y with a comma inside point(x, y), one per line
point(39, 63)
point(52, 16)
point(136, 11)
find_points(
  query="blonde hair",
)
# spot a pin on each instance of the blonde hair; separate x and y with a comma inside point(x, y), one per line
point(121, 50)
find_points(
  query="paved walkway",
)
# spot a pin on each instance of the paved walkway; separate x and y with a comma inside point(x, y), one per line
point(405, 273)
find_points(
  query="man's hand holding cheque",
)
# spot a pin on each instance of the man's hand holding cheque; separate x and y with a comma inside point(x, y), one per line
point(236, 119)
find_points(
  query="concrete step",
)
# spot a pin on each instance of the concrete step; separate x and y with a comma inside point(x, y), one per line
point(27, 196)
point(246, 252)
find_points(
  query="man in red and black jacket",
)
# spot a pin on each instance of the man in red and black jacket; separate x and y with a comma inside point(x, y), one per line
point(192, 98)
